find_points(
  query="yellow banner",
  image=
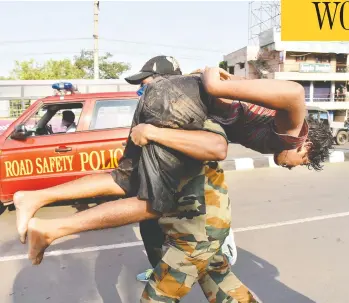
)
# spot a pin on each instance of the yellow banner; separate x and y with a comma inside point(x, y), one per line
point(309, 20)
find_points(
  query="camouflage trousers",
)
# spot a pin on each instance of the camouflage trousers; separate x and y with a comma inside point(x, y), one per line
point(195, 235)
point(177, 272)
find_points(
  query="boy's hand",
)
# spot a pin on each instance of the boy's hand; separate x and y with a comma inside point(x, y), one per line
point(211, 79)
point(141, 133)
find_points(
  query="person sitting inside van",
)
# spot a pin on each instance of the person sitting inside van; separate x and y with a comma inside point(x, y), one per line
point(68, 123)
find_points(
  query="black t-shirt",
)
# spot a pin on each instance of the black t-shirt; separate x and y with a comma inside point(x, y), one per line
point(153, 172)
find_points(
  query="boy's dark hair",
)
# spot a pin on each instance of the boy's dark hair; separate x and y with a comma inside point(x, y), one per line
point(322, 141)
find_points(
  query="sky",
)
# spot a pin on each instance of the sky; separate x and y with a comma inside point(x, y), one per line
point(198, 34)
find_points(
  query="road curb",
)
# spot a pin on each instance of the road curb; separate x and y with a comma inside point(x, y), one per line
point(268, 161)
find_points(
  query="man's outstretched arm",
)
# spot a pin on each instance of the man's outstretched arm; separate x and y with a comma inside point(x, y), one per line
point(202, 145)
point(286, 97)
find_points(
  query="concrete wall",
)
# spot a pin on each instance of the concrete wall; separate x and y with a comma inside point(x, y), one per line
point(252, 73)
point(274, 60)
point(242, 55)
point(236, 57)
point(242, 72)
point(5, 108)
point(248, 72)
point(35, 89)
point(291, 65)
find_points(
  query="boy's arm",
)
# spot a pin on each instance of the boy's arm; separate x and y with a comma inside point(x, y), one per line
point(286, 97)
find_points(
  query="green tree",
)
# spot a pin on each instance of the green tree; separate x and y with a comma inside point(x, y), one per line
point(81, 67)
point(224, 65)
point(49, 70)
point(108, 69)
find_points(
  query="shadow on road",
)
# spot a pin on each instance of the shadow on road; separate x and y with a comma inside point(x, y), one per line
point(57, 279)
point(110, 278)
point(115, 275)
point(261, 277)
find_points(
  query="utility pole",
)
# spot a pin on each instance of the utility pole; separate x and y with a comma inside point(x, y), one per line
point(96, 39)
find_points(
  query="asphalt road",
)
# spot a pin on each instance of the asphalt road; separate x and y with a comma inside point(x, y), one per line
point(291, 228)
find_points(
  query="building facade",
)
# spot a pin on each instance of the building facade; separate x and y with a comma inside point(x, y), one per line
point(320, 67)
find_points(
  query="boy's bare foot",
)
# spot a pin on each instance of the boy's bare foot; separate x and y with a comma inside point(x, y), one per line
point(27, 205)
point(38, 239)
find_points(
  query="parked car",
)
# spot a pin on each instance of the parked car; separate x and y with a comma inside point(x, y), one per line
point(35, 153)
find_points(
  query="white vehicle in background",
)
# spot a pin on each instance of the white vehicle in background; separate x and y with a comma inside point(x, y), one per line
point(340, 130)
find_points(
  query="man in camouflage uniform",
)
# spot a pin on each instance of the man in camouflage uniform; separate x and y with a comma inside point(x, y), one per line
point(195, 231)
point(196, 234)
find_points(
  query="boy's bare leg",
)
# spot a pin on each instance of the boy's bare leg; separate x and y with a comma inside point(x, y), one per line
point(41, 233)
point(28, 202)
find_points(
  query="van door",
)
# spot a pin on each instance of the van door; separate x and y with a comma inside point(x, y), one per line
point(47, 156)
point(103, 142)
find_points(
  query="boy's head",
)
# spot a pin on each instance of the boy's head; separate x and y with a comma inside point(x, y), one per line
point(314, 151)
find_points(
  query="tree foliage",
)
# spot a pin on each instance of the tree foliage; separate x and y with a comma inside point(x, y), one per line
point(51, 69)
point(108, 69)
point(224, 65)
point(81, 67)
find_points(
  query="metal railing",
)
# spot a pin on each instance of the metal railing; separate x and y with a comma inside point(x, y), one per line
point(315, 99)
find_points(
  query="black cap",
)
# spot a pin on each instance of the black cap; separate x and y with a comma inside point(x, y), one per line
point(161, 65)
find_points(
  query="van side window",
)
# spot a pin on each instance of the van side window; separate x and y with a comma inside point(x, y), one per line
point(53, 119)
point(113, 114)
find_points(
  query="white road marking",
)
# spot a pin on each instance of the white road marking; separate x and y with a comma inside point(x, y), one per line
point(75, 251)
point(140, 243)
point(272, 162)
point(291, 222)
point(137, 232)
point(337, 157)
point(244, 164)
